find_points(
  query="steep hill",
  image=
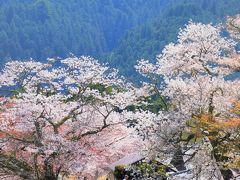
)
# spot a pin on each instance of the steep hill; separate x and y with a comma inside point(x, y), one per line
point(49, 28)
point(117, 31)
point(147, 40)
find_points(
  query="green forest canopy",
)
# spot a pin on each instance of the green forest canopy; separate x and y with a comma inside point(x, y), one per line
point(118, 31)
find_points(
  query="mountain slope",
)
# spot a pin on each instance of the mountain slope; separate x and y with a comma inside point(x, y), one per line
point(48, 28)
point(147, 40)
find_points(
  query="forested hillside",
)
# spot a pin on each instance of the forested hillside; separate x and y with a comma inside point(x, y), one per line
point(147, 40)
point(50, 28)
point(115, 31)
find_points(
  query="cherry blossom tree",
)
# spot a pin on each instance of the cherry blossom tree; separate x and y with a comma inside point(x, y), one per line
point(64, 117)
point(75, 116)
point(194, 71)
point(233, 26)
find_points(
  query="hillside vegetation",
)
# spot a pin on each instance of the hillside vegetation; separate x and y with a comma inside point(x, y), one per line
point(116, 31)
point(44, 28)
point(148, 40)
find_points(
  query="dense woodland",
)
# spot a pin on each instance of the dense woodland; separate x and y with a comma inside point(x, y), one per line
point(118, 32)
point(148, 39)
point(44, 28)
